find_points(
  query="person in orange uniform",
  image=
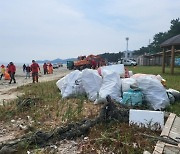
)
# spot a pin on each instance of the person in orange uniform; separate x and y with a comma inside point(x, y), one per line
point(12, 71)
point(6, 74)
point(35, 69)
point(50, 68)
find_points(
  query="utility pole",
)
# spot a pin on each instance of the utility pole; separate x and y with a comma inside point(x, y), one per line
point(149, 45)
point(127, 39)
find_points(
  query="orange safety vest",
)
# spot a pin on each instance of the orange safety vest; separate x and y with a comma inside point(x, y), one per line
point(7, 76)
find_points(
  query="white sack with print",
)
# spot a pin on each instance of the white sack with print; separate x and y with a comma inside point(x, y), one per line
point(71, 84)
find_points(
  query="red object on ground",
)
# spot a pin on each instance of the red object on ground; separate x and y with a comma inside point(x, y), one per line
point(126, 73)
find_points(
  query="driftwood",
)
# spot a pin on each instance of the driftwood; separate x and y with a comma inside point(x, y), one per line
point(109, 112)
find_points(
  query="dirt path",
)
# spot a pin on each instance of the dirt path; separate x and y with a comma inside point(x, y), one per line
point(8, 92)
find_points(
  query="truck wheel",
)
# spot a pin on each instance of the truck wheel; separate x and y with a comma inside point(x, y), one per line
point(75, 67)
point(81, 68)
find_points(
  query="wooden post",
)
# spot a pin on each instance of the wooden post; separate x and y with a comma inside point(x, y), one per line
point(163, 61)
point(172, 59)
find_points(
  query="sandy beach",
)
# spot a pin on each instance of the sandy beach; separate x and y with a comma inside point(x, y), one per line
point(7, 91)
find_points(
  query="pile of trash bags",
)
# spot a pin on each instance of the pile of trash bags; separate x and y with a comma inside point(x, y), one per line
point(109, 80)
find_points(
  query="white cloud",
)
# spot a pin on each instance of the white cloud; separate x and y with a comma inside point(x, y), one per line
point(144, 15)
point(48, 29)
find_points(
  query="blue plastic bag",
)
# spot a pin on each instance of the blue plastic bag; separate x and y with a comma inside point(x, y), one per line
point(132, 97)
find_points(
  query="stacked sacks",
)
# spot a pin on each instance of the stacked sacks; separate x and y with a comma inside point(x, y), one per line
point(97, 87)
point(90, 82)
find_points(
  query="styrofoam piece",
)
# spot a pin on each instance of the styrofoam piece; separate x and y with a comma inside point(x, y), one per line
point(149, 119)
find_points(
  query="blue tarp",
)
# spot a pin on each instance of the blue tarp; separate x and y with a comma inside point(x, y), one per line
point(177, 61)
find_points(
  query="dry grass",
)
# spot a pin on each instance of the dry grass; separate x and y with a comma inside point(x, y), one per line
point(47, 109)
point(118, 138)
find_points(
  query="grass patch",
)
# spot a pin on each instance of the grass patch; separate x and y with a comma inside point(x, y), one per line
point(118, 138)
point(43, 103)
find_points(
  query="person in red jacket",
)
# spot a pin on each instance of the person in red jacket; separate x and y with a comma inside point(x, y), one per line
point(35, 69)
point(12, 71)
point(45, 68)
point(93, 63)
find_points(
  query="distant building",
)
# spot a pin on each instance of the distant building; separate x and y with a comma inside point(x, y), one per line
point(128, 54)
point(157, 59)
point(150, 59)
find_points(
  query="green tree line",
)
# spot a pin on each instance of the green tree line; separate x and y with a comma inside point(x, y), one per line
point(112, 57)
point(159, 38)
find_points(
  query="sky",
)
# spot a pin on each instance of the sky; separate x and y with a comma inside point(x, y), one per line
point(50, 29)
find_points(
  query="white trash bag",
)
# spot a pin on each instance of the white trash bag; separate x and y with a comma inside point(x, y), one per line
point(92, 82)
point(111, 86)
point(71, 84)
point(154, 92)
point(61, 84)
point(118, 68)
point(127, 82)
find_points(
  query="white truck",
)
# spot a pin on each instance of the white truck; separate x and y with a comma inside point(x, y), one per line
point(128, 62)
